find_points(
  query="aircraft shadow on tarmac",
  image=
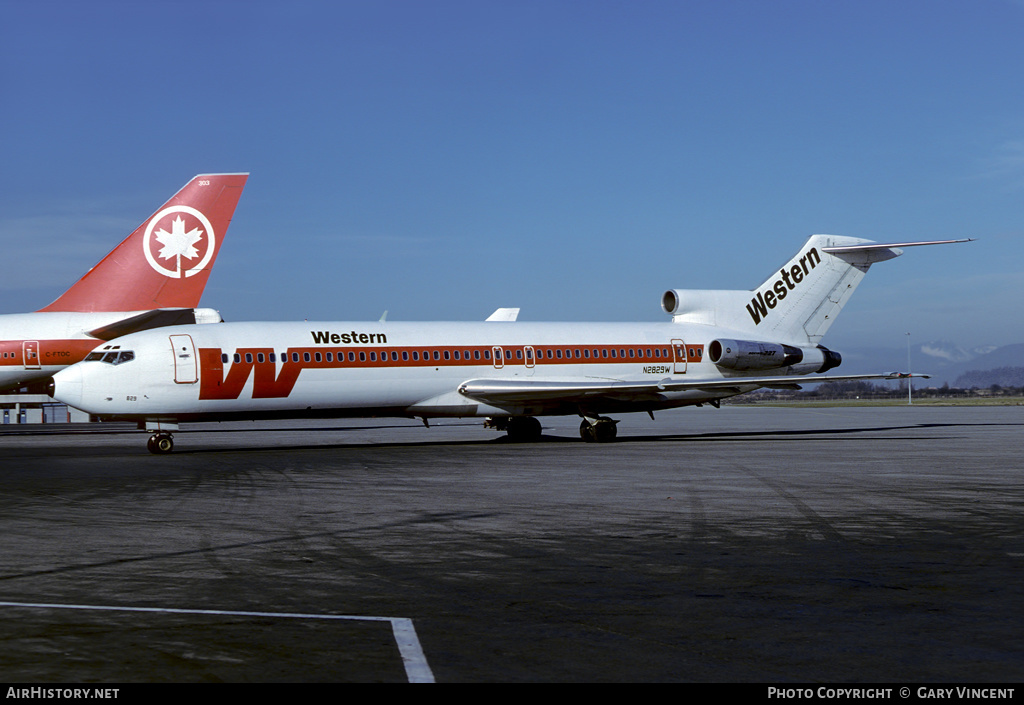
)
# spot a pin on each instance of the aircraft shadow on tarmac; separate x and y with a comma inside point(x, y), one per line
point(546, 439)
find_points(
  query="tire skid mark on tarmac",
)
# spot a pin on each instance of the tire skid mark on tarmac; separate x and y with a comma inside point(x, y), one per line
point(817, 521)
point(216, 547)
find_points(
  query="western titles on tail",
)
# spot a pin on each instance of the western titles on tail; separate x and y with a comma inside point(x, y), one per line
point(797, 304)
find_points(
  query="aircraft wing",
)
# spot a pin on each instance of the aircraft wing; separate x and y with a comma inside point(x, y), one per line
point(497, 391)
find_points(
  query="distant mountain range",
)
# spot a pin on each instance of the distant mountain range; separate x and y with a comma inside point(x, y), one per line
point(946, 362)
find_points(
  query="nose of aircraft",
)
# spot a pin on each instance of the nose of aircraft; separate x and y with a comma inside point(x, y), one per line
point(66, 386)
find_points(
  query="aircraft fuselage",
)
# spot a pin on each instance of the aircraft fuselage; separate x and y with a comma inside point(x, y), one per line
point(406, 369)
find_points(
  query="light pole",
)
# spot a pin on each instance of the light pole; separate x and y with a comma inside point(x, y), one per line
point(910, 378)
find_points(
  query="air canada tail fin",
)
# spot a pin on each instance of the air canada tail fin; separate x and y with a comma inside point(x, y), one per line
point(799, 302)
point(166, 262)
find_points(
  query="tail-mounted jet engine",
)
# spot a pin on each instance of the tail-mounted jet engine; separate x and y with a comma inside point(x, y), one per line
point(753, 355)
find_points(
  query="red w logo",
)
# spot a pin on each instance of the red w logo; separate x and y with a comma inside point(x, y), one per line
point(267, 383)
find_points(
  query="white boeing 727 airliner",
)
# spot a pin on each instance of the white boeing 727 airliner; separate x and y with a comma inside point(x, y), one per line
point(718, 344)
point(155, 277)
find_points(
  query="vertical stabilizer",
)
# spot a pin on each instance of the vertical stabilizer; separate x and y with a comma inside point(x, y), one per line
point(800, 301)
point(166, 262)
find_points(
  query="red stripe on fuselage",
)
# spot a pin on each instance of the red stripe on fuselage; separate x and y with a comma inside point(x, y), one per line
point(274, 374)
point(51, 352)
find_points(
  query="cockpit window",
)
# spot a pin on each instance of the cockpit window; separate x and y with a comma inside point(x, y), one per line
point(113, 357)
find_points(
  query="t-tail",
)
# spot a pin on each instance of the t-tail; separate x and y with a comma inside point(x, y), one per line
point(798, 302)
point(165, 263)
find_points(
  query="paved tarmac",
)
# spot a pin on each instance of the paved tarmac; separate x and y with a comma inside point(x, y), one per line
point(735, 545)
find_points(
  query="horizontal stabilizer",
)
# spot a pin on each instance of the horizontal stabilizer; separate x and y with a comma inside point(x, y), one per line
point(889, 246)
point(158, 318)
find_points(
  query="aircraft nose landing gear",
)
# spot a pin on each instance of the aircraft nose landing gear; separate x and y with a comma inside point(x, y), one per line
point(160, 443)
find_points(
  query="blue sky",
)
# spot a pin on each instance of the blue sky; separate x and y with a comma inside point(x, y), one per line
point(441, 159)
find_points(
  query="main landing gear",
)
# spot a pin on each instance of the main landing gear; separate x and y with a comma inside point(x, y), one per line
point(160, 443)
point(598, 430)
point(527, 429)
point(520, 429)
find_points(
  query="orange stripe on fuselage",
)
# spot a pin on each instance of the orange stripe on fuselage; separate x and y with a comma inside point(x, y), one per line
point(274, 377)
point(51, 352)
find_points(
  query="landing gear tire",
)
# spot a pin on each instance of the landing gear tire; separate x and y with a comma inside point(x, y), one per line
point(160, 443)
point(523, 429)
point(603, 430)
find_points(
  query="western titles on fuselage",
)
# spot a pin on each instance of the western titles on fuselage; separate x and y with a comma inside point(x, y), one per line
point(326, 337)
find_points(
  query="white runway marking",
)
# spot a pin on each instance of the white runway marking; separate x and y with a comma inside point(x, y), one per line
point(415, 662)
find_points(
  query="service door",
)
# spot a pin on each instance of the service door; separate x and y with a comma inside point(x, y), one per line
point(530, 356)
point(678, 357)
point(184, 359)
point(30, 354)
point(528, 353)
